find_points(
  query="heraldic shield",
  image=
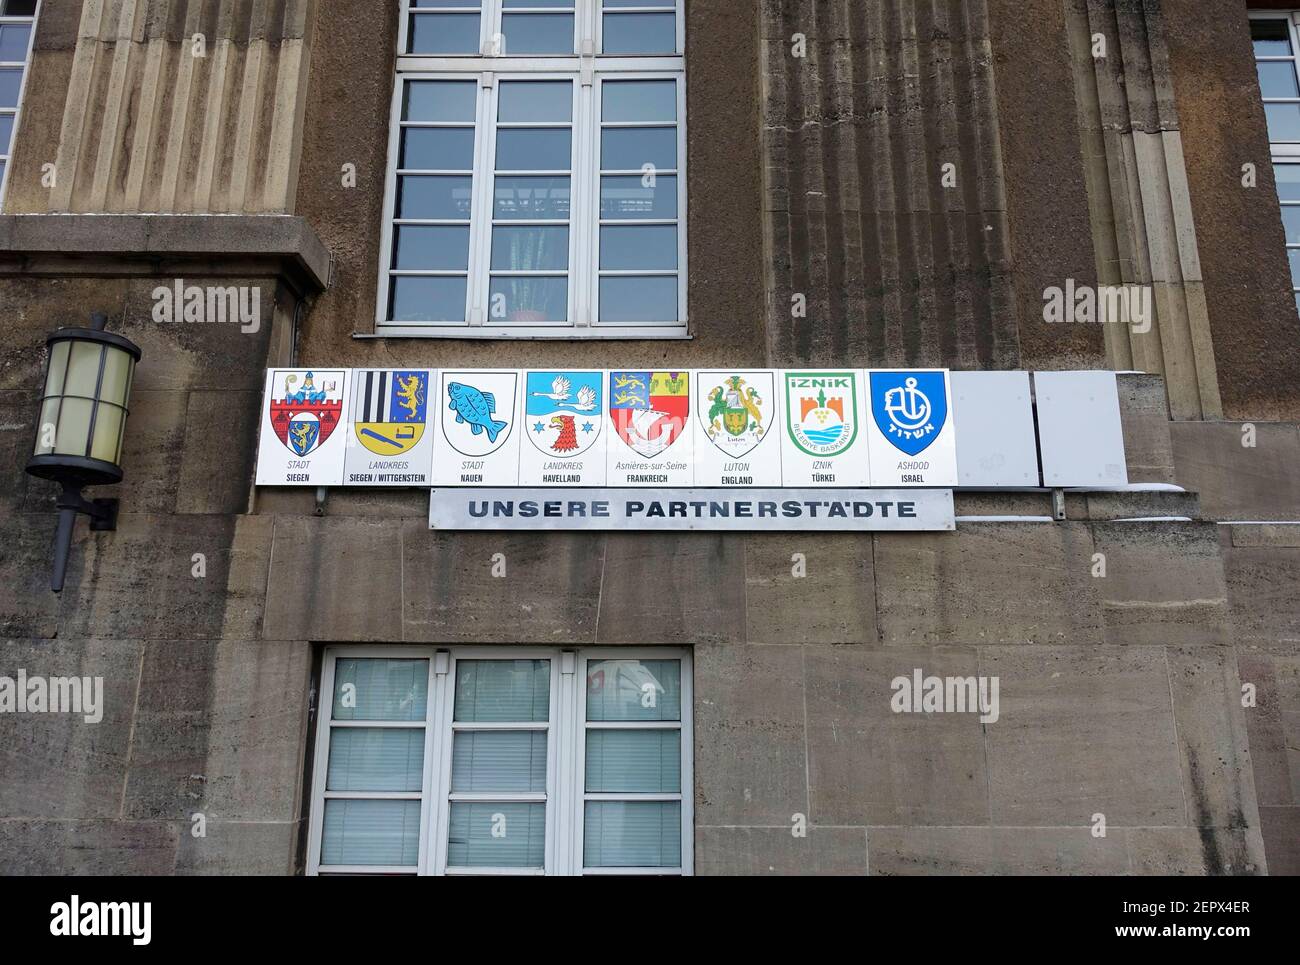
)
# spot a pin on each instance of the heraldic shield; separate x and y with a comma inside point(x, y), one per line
point(564, 411)
point(910, 408)
point(736, 409)
point(303, 412)
point(649, 409)
point(390, 410)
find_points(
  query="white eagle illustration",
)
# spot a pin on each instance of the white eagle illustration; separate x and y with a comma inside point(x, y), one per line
point(562, 389)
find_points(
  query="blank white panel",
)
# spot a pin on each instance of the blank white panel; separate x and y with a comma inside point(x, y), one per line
point(1079, 432)
point(994, 416)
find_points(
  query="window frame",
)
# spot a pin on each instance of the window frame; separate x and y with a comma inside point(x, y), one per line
point(566, 727)
point(1283, 152)
point(6, 150)
point(588, 71)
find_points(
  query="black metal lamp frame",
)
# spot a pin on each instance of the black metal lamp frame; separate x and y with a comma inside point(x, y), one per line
point(75, 472)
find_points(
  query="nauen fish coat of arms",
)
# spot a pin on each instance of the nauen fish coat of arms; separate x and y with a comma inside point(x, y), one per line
point(737, 413)
point(564, 411)
point(305, 412)
point(649, 410)
point(390, 409)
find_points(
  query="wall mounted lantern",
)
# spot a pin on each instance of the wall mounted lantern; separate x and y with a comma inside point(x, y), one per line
point(81, 424)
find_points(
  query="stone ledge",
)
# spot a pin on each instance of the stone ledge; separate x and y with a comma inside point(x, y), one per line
point(117, 244)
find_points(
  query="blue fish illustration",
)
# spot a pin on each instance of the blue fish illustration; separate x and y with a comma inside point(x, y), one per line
point(475, 408)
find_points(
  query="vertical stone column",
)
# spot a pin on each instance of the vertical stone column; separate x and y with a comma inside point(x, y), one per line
point(1139, 202)
point(896, 265)
point(184, 106)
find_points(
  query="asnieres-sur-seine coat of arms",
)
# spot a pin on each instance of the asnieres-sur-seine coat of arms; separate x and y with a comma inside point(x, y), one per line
point(649, 409)
point(304, 412)
point(909, 407)
point(821, 410)
point(737, 414)
point(390, 409)
point(564, 411)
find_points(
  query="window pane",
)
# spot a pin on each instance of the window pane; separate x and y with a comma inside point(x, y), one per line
point(420, 299)
point(638, 246)
point(444, 33)
point(1293, 256)
point(500, 761)
point(108, 432)
point(18, 8)
point(537, 33)
point(638, 100)
point(438, 148)
point(434, 196)
point(632, 148)
point(534, 149)
point(639, 33)
point(371, 832)
point(638, 299)
point(431, 247)
point(615, 4)
point(628, 196)
point(531, 102)
point(531, 248)
point(13, 41)
point(440, 100)
point(532, 198)
point(10, 80)
point(1283, 122)
point(6, 132)
point(632, 834)
point(1277, 79)
point(533, 4)
point(1271, 38)
point(375, 759)
point(503, 690)
point(536, 299)
point(1287, 177)
point(496, 835)
point(641, 761)
point(1291, 222)
point(373, 688)
point(634, 690)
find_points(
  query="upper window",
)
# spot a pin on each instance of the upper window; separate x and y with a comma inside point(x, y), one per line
point(1277, 45)
point(17, 24)
point(478, 761)
point(537, 171)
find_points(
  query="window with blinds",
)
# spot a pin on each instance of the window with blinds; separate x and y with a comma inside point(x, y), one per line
point(487, 761)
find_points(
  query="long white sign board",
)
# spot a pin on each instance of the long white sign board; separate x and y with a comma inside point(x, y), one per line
point(700, 510)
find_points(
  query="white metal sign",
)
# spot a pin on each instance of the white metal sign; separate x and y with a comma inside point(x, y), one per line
point(389, 442)
point(302, 442)
point(477, 440)
point(737, 441)
point(823, 439)
point(911, 437)
point(760, 510)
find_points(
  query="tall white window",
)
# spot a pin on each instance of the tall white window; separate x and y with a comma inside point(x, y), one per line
point(17, 25)
point(1276, 41)
point(478, 760)
point(536, 177)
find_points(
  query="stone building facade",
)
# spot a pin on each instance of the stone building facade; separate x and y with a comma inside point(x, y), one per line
point(920, 173)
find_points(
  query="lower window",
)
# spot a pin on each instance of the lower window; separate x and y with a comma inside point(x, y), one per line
point(482, 760)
